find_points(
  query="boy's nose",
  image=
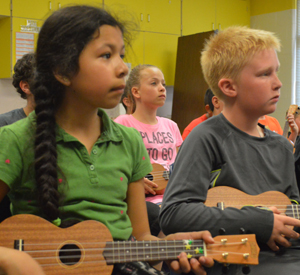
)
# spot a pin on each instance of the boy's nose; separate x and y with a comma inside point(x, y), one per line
point(278, 83)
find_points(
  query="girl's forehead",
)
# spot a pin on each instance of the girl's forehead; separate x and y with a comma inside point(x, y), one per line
point(109, 34)
point(151, 72)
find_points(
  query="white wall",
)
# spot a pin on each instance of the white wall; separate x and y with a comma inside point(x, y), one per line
point(166, 110)
point(9, 98)
point(283, 24)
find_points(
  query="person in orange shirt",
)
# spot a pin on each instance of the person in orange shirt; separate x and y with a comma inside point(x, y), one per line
point(272, 124)
point(213, 106)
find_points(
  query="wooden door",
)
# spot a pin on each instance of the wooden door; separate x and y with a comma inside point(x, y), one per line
point(189, 86)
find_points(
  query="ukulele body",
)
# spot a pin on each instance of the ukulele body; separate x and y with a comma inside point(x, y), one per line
point(160, 176)
point(89, 237)
point(231, 197)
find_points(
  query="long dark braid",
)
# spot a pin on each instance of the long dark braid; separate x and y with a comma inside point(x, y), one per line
point(61, 40)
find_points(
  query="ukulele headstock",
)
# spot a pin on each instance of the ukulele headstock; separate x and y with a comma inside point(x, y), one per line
point(234, 249)
point(292, 109)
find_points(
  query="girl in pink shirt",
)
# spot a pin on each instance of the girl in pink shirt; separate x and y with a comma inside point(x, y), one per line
point(161, 136)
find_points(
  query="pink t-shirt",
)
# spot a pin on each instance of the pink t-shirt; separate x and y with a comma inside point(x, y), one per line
point(161, 141)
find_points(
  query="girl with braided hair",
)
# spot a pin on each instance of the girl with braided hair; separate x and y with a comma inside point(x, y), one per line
point(68, 159)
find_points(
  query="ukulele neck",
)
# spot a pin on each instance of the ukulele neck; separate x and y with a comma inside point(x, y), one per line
point(127, 251)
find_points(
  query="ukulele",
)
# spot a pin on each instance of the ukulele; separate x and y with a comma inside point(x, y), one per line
point(160, 176)
point(224, 196)
point(291, 111)
point(88, 248)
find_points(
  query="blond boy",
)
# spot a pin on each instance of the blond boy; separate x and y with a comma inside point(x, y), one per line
point(240, 65)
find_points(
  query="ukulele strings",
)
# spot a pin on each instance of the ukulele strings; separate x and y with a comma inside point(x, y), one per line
point(165, 173)
point(117, 258)
point(135, 251)
point(176, 244)
point(289, 208)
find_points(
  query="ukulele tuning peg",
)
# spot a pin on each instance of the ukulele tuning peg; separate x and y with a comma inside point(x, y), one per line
point(222, 231)
point(242, 230)
point(225, 269)
point(246, 269)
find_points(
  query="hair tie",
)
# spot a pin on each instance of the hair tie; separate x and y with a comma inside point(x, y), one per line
point(57, 222)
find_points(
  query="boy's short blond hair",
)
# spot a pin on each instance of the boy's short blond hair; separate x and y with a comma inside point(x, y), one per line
point(226, 53)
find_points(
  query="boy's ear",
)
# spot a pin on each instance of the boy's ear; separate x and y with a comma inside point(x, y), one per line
point(63, 79)
point(227, 86)
point(135, 92)
point(25, 87)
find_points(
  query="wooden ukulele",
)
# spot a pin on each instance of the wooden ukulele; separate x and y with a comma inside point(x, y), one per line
point(224, 196)
point(291, 111)
point(88, 248)
point(160, 176)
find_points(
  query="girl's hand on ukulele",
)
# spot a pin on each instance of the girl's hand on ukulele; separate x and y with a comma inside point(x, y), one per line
point(14, 262)
point(149, 185)
point(281, 231)
point(196, 265)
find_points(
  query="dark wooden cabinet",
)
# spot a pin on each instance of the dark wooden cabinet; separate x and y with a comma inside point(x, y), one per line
point(189, 86)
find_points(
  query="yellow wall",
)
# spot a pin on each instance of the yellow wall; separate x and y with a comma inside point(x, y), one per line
point(258, 7)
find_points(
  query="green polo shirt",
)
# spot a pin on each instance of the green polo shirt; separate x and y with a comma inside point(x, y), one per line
point(92, 186)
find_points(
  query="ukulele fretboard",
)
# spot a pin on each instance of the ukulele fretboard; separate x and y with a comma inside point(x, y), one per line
point(127, 251)
point(293, 211)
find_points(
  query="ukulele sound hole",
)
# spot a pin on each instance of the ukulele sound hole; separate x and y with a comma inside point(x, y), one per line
point(149, 177)
point(70, 254)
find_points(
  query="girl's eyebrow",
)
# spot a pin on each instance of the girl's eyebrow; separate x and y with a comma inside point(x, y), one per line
point(155, 78)
point(112, 46)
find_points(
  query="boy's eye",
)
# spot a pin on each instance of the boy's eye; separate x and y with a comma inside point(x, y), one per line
point(122, 56)
point(265, 74)
point(153, 83)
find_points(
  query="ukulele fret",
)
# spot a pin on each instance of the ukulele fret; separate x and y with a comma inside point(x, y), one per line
point(175, 250)
point(297, 210)
point(134, 251)
point(148, 252)
point(130, 252)
point(113, 248)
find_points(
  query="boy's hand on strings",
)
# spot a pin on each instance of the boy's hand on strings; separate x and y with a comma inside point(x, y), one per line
point(14, 262)
point(183, 264)
point(281, 231)
point(149, 185)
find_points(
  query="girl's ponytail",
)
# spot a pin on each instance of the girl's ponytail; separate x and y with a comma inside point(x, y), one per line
point(45, 153)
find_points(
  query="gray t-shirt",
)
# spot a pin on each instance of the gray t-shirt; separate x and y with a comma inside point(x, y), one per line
point(216, 153)
point(11, 117)
point(235, 159)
